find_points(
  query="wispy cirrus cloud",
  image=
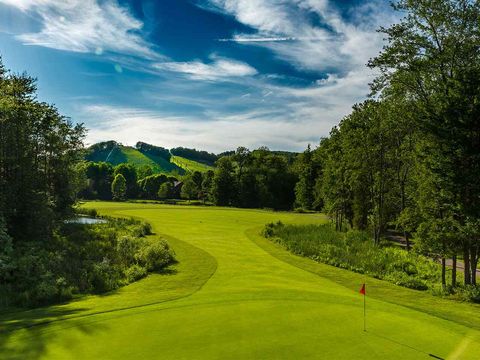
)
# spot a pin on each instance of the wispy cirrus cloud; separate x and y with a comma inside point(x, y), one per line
point(84, 26)
point(287, 28)
point(218, 69)
point(247, 39)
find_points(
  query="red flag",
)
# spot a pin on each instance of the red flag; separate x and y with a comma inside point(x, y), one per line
point(362, 290)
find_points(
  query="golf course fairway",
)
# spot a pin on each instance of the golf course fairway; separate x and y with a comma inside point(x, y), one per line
point(234, 295)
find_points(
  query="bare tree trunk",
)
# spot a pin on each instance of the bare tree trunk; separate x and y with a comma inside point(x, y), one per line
point(444, 280)
point(466, 266)
point(444, 263)
point(341, 220)
point(473, 266)
point(454, 270)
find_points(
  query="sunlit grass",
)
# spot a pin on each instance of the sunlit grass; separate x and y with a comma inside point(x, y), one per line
point(236, 295)
point(190, 165)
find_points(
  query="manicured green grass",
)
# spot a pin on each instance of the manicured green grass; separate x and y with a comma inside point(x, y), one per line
point(190, 165)
point(158, 164)
point(235, 295)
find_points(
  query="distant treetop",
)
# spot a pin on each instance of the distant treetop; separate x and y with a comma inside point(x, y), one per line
point(194, 154)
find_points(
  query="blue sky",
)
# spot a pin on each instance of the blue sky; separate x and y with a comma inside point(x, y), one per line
point(210, 74)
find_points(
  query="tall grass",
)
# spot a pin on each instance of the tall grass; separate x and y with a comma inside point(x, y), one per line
point(355, 251)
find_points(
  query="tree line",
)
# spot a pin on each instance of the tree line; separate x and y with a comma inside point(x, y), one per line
point(250, 179)
point(409, 157)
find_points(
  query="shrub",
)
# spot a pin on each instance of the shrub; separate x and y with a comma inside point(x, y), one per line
point(134, 273)
point(269, 229)
point(79, 259)
point(88, 212)
point(46, 288)
point(402, 279)
point(127, 247)
point(155, 255)
point(142, 229)
point(470, 293)
point(355, 251)
point(104, 277)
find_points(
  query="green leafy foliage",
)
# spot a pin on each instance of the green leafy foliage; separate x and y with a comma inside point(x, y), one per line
point(166, 191)
point(150, 185)
point(155, 255)
point(155, 151)
point(253, 179)
point(129, 172)
point(355, 251)
point(86, 259)
point(119, 187)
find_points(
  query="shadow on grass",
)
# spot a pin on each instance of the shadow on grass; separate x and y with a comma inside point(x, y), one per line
point(405, 345)
point(23, 334)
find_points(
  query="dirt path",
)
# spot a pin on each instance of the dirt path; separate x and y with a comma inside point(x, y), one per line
point(400, 240)
point(460, 266)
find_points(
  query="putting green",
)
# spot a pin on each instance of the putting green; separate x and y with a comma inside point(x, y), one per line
point(233, 295)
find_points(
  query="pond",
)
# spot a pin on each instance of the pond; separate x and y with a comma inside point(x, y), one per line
point(85, 220)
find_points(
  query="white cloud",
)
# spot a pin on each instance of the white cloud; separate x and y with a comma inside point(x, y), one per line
point(336, 45)
point(84, 26)
point(282, 117)
point(251, 129)
point(218, 69)
point(287, 29)
point(252, 39)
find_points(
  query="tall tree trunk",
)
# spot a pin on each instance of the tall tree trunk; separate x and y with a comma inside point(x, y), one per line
point(444, 264)
point(473, 267)
point(341, 219)
point(444, 280)
point(454, 270)
point(466, 266)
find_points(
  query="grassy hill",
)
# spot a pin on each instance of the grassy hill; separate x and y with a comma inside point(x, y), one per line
point(163, 161)
point(158, 158)
point(190, 165)
point(235, 295)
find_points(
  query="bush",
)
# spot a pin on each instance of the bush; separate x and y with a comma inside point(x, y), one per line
point(470, 293)
point(134, 273)
point(269, 229)
point(80, 259)
point(142, 229)
point(127, 247)
point(155, 255)
point(88, 212)
point(104, 277)
point(355, 251)
point(403, 279)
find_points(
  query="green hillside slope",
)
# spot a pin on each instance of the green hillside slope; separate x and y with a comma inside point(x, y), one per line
point(115, 153)
point(190, 165)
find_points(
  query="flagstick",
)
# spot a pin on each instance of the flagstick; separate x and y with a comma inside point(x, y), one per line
point(364, 313)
